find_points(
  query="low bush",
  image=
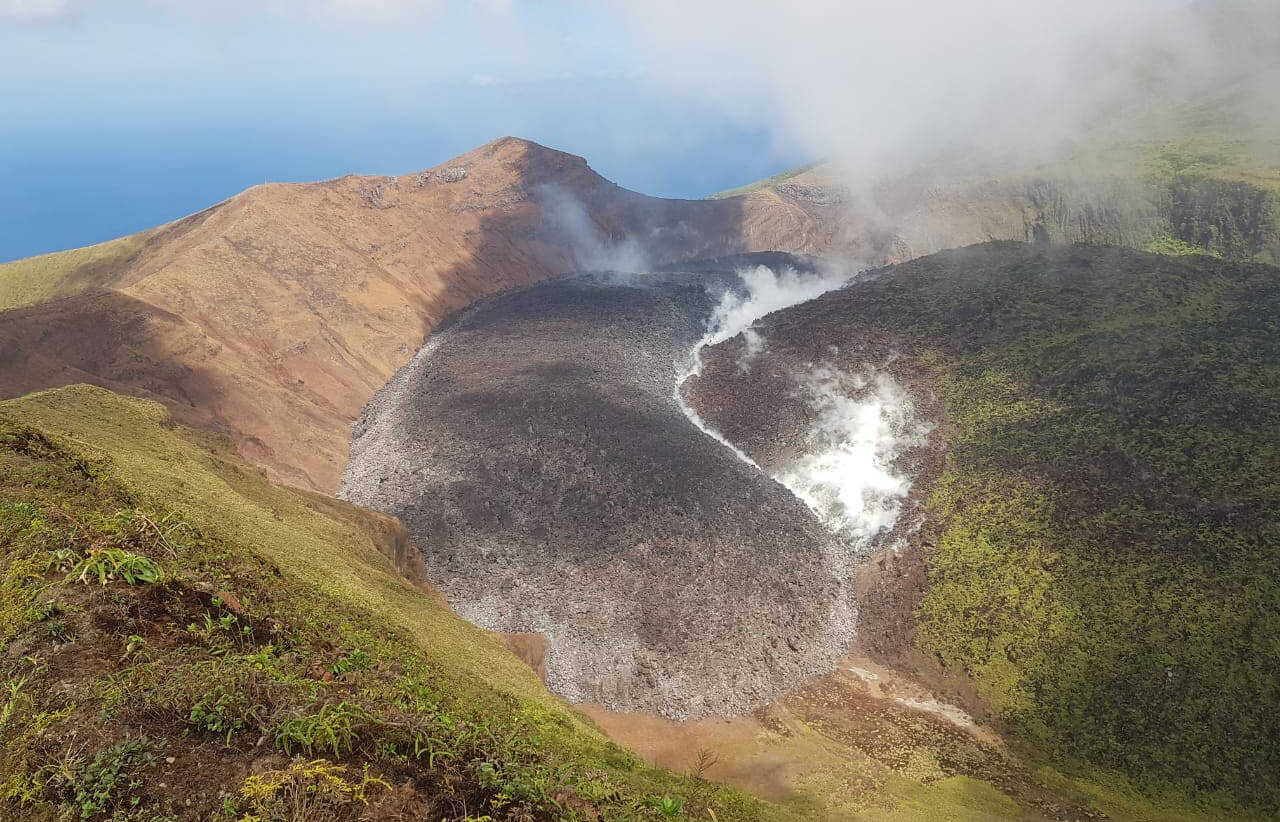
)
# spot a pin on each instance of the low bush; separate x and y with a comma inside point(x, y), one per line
point(108, 785)
point(306, 790)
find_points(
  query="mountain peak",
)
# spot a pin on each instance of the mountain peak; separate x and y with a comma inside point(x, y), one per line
point(513, 162)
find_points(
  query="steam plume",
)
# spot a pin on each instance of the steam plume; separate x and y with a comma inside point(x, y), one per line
point(862, 423)
point(763, 292)
point(567, 217)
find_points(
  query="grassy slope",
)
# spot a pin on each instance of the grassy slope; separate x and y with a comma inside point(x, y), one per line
point(767, 182)
point(91, 670)
point(1108, 548)
point(48, 276)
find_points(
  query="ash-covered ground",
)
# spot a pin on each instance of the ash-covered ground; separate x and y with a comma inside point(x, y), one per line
point(537, 452)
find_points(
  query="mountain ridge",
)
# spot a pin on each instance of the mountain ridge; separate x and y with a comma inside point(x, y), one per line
point(274, 315)
point(279, 311)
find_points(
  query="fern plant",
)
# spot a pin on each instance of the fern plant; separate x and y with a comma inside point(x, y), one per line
point(108, 564)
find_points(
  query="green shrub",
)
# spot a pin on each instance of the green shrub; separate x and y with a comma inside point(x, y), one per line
point(356, 660)
point(108, 564)
point(109, 783)
point(334, 727)
point(667, 807)
point(1173, 247)
point(306, 790)
point(221, 712)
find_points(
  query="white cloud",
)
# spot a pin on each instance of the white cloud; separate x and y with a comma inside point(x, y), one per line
point(877, 84)
point(339, 11)
point(35, 11)
point(378, 11)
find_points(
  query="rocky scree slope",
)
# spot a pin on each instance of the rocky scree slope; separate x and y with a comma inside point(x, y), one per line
point(537, 453)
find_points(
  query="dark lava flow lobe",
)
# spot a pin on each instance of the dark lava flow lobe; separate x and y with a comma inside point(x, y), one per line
point(535, 450)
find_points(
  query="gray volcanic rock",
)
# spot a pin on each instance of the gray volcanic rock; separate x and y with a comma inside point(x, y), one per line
point(536, 452)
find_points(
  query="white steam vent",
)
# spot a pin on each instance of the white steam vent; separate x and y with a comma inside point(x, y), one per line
point(862, 423)
point(766, 292)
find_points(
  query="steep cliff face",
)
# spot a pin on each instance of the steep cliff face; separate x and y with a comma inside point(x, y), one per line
point(1235, 219)
point(1200, 192)
point(1231, 219)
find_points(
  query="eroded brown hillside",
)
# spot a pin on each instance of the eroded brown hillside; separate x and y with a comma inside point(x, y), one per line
point(275, 315)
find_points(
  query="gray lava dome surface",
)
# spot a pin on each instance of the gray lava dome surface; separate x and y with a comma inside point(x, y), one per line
point(536, 452)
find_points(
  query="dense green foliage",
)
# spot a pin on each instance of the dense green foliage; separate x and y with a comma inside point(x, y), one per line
point(117, 615)
point(1107, 563)
point(1173, 247)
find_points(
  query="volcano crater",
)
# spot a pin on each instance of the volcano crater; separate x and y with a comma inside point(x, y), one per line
point(538, 452)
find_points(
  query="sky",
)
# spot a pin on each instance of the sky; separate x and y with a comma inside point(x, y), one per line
point(118, 116)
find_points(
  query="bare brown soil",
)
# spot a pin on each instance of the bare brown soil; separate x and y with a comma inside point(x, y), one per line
point(531, 649)
point(837, 743)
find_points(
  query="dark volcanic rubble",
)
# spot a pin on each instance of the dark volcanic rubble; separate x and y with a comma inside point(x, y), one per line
point(536, 452)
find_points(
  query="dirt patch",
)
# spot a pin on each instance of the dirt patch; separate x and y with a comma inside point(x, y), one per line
point(531, 649)
point(834, 744)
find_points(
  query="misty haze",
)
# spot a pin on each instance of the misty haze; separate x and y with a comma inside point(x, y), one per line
point(757, 411)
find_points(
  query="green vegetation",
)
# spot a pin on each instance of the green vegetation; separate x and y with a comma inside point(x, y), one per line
point(107, 785)
point(1107, 561)
point(767, 182)
point(307, 790)
point(62, 273)
point(1173, 247)
point(1223, 159)
point(237, 620)
point(668, 807)
point(105, 564)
